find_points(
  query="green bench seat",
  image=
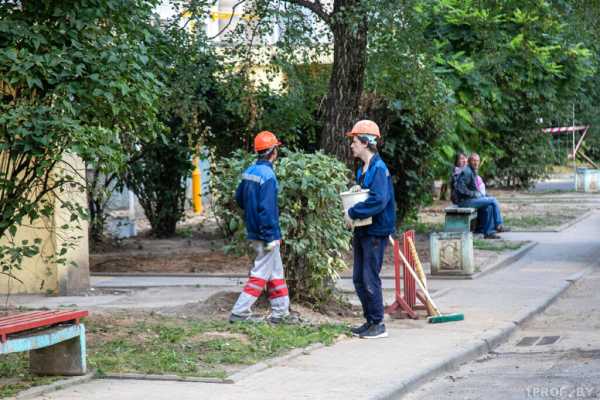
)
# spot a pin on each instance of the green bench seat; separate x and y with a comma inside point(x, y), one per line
point(460, 219)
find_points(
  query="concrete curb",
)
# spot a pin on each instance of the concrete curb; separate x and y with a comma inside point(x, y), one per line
point(233, 378)
point(183, 285)
point(261, 366)
point(190, 275)
point(440, 292)
point(166, 275)
point(482, 347)
point(511, 258)
point(155, 377)
point(574, 221)
point(44, 389)
point(412, 382)
point(563, 226)
point(434, 293)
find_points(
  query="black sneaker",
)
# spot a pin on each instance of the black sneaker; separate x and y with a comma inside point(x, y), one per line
point(502, 228)
point(375, 331)
point(245, 318)
point(357, 330)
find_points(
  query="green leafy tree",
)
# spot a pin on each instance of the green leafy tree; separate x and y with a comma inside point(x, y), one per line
point(510, 65)
point(412, 104)
point(314, 33)
point(239, 109)
point(72, 73)
point(581, 19)
point(397, 86)
point(294, 112)
point(192, 111)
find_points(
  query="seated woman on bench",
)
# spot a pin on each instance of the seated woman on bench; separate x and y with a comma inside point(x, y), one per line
point(460, 162)
point(468, 194)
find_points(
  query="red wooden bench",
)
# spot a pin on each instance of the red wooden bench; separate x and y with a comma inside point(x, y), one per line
point(55, 340)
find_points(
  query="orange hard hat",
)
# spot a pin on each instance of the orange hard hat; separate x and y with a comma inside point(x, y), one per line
point(265, 140)
point(364, 127)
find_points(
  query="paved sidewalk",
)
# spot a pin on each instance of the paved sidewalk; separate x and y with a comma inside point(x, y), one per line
point(415, 351)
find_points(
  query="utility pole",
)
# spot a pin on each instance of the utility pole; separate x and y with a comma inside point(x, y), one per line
point(573, 151)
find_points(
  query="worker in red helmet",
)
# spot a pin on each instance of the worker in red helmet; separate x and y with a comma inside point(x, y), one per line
point(369, 242)
point(257, 196)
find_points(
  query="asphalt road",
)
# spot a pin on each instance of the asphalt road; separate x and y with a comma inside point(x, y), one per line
point(554, 356)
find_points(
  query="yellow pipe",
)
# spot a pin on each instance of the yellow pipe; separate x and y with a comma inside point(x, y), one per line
point(227, 15)
point(197, 187)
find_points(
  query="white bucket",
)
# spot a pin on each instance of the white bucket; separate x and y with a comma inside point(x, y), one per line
point(349, 199)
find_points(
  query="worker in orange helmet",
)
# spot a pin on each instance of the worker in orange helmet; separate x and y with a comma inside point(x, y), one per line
point(257, 196)
point(369, 242)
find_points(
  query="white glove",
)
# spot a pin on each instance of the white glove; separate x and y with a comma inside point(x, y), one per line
point(355, 188)
point(271, 245)
point(347, 219)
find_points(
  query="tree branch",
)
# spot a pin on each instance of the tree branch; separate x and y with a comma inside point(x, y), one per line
point(230, 20)
point(315, 7)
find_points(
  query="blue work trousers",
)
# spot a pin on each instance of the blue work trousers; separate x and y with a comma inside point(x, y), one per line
point(488, 213)
point(368, 259)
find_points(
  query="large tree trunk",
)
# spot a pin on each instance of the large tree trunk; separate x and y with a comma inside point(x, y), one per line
point(347, 77)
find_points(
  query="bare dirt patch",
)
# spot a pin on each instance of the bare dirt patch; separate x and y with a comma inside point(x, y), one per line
point(216, 306)
point(176, 255)
point(219, 305)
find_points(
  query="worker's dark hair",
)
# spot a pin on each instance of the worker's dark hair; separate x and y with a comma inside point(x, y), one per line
point(266, 154)
point(371, 147)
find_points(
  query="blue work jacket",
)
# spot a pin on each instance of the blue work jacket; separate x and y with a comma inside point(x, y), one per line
point(257, 196)
point(380, 205)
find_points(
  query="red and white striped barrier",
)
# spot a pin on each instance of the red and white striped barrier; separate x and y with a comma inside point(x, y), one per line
point(566, 129)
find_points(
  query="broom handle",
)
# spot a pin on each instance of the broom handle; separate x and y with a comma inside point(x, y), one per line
point(418, 266)
point(419, 271)
point(414, 275)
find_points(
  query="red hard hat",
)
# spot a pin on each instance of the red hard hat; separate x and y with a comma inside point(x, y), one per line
point(364, 127)
point(265, 140)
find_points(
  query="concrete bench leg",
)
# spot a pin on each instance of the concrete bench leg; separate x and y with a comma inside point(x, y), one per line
point(65, 358)
point(452, 253)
